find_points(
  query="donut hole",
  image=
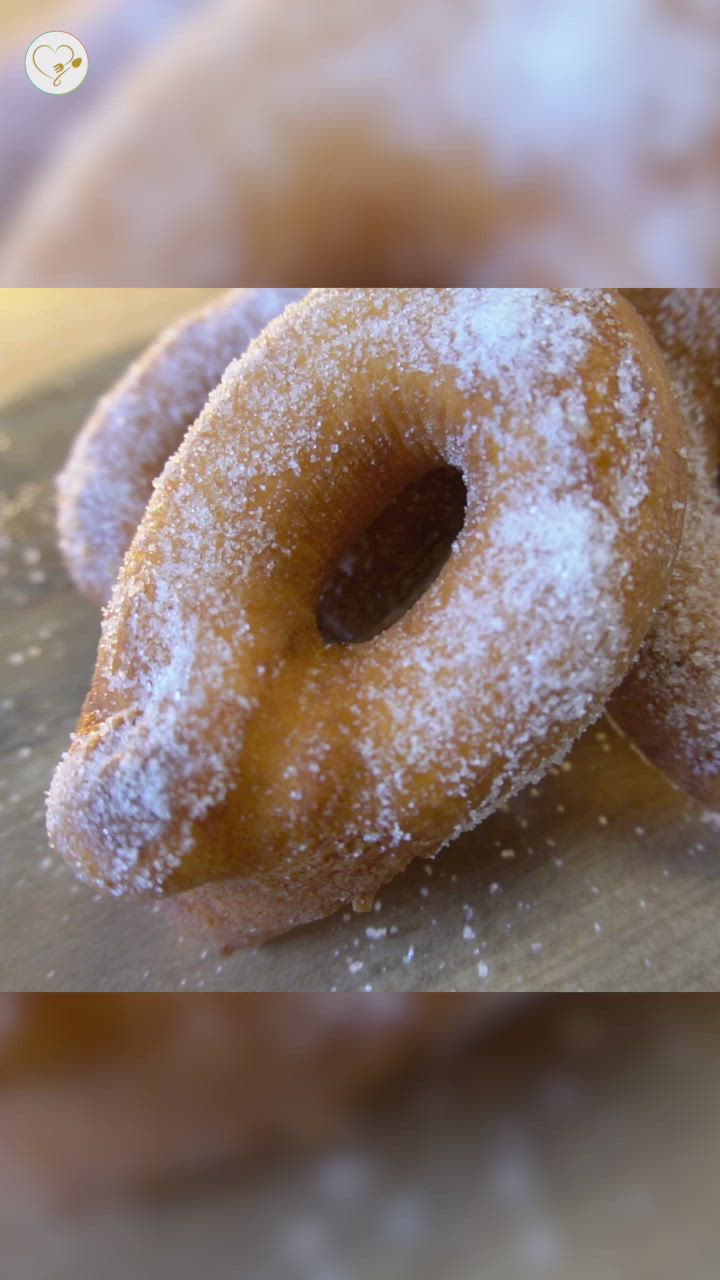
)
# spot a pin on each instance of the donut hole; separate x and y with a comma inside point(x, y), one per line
point(382, 575)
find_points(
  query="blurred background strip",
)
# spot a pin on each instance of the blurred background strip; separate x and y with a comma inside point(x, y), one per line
point(574, 1139)
point(395, 142)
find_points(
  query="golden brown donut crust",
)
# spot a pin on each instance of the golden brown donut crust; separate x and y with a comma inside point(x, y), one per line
point(223, 747)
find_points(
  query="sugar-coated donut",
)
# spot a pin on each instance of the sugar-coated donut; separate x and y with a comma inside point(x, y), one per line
point(225, 752)
point(100, 1095)
point(670, 703)
point(107, 481)
point(395, 142)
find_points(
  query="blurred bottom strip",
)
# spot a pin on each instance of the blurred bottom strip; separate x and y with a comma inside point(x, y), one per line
point(102, 1094)
point(561, 1137)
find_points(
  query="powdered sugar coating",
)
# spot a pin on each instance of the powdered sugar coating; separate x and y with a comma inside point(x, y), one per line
point(107, 481)
point(222, 741)
point(674, 693)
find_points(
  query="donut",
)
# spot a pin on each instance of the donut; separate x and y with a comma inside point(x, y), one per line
point(107, 482)
point(669, 705)
point(394, 142)
point(229, 755)
point(106, 1095)
point(105, 486)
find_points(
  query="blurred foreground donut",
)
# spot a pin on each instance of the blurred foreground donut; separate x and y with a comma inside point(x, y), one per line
point(107, 481)
point(102, 1094)
point(224, 748)
point(670, 703)
point(395, 141)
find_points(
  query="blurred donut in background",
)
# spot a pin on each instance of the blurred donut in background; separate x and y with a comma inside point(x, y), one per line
point(105, 1094)
point(408, 142)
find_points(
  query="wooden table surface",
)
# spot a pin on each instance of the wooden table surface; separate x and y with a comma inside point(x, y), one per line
point(602, 878)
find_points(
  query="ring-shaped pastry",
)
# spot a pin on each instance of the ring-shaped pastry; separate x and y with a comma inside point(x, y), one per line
point(225, 751)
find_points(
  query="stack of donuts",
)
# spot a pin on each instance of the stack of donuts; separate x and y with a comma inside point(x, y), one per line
point(371, 561)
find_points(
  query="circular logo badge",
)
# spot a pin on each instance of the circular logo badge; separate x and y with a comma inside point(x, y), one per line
point(56, 62)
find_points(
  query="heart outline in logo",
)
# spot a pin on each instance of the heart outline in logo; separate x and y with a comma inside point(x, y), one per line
point(51, 74)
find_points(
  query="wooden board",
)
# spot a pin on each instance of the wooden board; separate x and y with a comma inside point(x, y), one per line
point(602, 878)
